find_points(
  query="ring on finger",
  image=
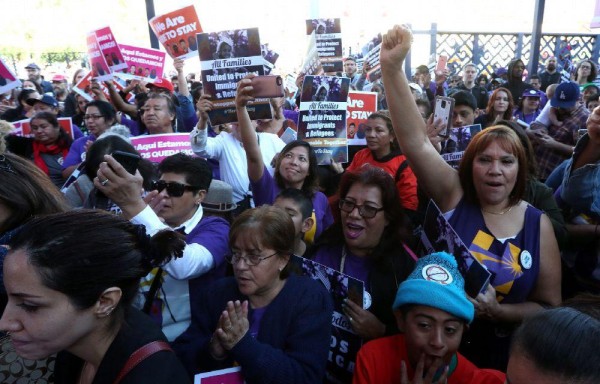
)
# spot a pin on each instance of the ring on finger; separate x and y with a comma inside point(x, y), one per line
point(350, 318)
point(104, 182)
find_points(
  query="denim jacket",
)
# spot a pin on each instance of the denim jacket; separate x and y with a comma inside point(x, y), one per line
point(581, 187)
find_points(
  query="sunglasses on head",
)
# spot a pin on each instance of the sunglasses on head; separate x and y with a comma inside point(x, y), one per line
point(173, 189)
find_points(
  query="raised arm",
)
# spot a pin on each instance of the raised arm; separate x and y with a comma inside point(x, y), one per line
point(437, 178)
point(118, 102)
point(256, 165)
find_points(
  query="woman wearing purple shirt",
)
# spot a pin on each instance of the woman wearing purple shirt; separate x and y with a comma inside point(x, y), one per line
point(369, 242)
point(276, 326)
point(296, 166)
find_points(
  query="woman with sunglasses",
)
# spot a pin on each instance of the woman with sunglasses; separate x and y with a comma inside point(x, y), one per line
point(274, 325)
point(174, 202)
point(295, 166)
point(47, 148)
point(369, 241)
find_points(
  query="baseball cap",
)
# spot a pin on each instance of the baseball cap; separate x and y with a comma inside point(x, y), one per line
point(566, 95)
point(500, 71)
point(32, 66)
point(531, 93)
point(46, 99)
point(59, 77)
point(465, 98)
point(436, 282)
point(162, 83)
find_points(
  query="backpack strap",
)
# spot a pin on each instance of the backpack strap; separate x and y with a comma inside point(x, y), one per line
point(154, 287)
point(400, 169)
point(140, 355)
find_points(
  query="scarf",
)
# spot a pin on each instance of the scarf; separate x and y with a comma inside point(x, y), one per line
point(39, 149)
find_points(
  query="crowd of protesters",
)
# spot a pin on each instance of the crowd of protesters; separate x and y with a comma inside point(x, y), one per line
point(185, 266)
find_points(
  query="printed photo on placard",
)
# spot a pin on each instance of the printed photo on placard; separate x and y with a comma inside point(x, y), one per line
point(360, 107)
point(438, 235)
point(226, 58)
point(99, 67)
point(454, 147)
point(110, 49)
point(328, 42)
point(322, 117)
point(345, 343)
point(142, 63)
point(177, 31)
point(311, 64)
point(370, 53)
point(8, 80)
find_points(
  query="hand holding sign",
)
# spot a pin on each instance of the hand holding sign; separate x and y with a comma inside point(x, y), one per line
point(486, 304)
point(363, 322)
point(244, 91)
point(203, 106)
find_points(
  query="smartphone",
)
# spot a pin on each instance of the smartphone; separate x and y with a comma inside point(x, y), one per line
point(443, 110)
point(441, 63)
point(129, 161)
point(267, 86)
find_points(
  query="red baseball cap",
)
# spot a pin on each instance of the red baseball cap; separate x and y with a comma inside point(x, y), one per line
point(162, 83)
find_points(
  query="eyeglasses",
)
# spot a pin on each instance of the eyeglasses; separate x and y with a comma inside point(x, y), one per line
point(5, 165)
point(92, 117)
point(173, 189)
point(366, 211)
point(250, 260)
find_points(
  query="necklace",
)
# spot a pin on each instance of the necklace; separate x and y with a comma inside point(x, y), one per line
point(498, 213)
point(343, 261)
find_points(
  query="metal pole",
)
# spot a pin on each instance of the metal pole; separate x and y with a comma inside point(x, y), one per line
point(150, 14)
point(536, 36)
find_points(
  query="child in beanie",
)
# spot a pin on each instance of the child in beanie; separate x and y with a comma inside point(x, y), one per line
point(432, 311)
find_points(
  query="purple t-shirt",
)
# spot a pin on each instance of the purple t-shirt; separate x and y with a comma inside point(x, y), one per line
point(77, 151)
point(354, 266)
point(265, 190)
point(255, 318)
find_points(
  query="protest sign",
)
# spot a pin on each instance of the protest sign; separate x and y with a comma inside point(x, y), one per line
point(155, 148)
point(322, 118)
point(438, 235)
point(98, 64)
point(8, 80)
point(328, 35)
point(23, 127)
point(360, 106)
point(345, 343)
point(226, 58)
point(455, 145)
point(312, 65)
point(222, 376)
point(84, 86)
point(110, 49)
point(270, 57)
point(370, 52)
point(142, 63)
point(290, 84)
point(177, 31)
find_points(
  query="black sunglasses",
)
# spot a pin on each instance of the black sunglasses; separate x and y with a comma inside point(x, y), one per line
point(173, 189)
